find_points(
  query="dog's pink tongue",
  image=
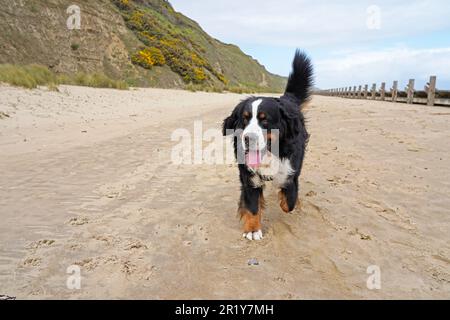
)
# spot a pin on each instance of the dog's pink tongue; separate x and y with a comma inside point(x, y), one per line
point(253, 159)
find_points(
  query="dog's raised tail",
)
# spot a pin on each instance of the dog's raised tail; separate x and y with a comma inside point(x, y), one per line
point(301, 79)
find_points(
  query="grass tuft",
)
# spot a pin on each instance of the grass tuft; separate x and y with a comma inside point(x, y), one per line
point(32, 76)
point(29, 76)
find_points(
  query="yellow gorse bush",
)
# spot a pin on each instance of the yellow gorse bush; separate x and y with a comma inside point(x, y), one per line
point(167, 44)
point(149, 57)
point(199, 74)
point(123, 3)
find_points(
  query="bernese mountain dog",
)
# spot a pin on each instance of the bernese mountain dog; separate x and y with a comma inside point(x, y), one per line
point(270, 139)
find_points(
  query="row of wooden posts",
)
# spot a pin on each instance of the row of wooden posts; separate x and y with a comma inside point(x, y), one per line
point(409, 95)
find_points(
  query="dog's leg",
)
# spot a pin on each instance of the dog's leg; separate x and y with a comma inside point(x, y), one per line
point(288, 196)
point(250, 208)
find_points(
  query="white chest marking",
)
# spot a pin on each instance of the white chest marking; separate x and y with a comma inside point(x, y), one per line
point(272, 166)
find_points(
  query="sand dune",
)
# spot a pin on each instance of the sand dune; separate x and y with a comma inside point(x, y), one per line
point(86, 180)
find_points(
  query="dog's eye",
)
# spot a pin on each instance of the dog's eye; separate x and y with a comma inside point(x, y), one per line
point(246, 117)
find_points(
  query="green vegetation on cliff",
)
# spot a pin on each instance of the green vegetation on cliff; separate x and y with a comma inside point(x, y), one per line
point(140, 42)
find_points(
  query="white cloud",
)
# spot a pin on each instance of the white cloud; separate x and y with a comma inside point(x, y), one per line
point(385, 66)
point(313, 23)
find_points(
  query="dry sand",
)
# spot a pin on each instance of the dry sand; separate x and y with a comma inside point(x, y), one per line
point(86, 179)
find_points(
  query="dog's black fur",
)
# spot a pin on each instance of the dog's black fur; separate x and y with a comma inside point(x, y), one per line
point(284, 114)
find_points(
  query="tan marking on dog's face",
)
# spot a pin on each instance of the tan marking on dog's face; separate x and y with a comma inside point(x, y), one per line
point(271, 136)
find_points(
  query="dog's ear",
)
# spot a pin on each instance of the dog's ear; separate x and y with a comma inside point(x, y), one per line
point(230, 124)
point(290, 120)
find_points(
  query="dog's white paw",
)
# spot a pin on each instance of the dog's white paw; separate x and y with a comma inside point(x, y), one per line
point(258, 235)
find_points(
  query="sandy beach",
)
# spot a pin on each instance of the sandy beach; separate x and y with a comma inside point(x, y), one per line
point(87, 180)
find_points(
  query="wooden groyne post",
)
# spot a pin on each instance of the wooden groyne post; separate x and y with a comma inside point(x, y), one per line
point(430, 96)
point(431, 91)
point(394, 91)
point(410, 92)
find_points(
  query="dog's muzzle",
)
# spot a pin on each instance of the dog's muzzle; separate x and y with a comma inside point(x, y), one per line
point(254, 149)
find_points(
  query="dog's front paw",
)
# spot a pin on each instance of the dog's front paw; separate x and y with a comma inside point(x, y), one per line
point(258, 235)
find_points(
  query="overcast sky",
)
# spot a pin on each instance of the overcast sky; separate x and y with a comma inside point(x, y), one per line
point(350, 42)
